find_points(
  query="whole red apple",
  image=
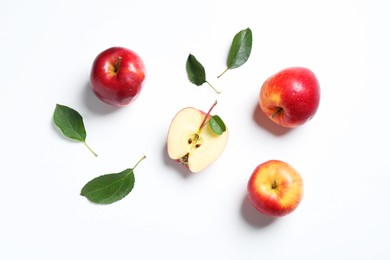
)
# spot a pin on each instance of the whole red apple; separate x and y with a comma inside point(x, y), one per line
point(117, 76)
point(290, 97)
point(275, 188)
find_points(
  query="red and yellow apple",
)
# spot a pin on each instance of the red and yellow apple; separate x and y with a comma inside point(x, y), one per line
point(117, 76)
point(290, 97)
point(275, 188)
point(192, 142)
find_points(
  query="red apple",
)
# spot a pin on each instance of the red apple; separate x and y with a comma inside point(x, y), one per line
point(117, 76)
point(275, 188)
point(290, 97)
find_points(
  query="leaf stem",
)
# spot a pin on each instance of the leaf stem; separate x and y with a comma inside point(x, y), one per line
point(89, 148)
point(143, 157)
point(218, 92)
point(223, 72)
point(207, 115)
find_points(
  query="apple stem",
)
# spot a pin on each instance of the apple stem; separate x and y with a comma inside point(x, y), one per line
point(274, 184)
point(218, 92)
point(117, 64)
point(223, 72)
point(143, 157)
point(207, 115)
point(280, 110)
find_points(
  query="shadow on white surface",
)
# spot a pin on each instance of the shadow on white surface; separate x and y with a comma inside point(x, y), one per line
point(253, 217)
point(95, 105)
point(181, 169)
point(264, 122)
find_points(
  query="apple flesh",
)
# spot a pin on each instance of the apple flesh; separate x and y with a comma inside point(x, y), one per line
point(117, 76)
point(290, 97)
point(191, 145)
point(275, 188)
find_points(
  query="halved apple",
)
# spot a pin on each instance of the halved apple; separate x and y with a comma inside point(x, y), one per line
point(192, 142)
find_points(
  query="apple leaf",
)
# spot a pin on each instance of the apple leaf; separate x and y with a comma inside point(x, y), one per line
point(196, 72)
point(217, 125)
point(71, 124)
point(240, 50)
point(109, 188)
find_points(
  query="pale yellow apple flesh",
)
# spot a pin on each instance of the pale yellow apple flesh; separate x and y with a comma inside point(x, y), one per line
point(189, 145)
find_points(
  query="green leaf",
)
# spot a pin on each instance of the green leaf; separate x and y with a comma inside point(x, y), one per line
point(240, 49)
point(195, 71)
point(109, 188)
point(71, 124)
point(217, 125)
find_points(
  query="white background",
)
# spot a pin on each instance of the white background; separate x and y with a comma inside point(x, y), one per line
point(46, 50)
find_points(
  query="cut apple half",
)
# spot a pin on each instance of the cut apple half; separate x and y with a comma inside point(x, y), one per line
point(193, 143)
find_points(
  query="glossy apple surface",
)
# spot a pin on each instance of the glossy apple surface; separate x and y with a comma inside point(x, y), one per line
point(275, 188)
point(117, 76)
point(194, 148)
point(290, 97)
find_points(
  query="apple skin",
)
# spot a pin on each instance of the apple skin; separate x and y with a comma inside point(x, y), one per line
point(275, 188)
point(290, 97)
point(117, 76)
point(196, 154)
